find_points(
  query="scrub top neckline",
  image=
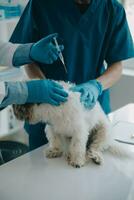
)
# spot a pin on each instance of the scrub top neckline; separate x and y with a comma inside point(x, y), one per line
point(75, 12)
point(75, 5)
point(82, 7)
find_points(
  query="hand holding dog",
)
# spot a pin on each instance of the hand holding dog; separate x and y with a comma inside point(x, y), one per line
point(46, 91)
point(90, 92)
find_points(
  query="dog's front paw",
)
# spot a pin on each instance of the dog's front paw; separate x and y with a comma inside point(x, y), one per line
point(53, 153)
point(77, 164)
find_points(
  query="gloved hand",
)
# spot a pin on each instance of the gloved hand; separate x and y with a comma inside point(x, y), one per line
point(46, 91)
point(90, 92)
point(44, 51)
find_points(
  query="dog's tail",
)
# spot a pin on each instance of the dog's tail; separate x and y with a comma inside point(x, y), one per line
point(119, 149)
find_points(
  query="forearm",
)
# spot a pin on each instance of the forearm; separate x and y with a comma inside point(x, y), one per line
point(2, 91)
point(7, 51)
point(22, 55)
point(14, 55)
point(33, 71)
point(111, 76)
point(15, 93)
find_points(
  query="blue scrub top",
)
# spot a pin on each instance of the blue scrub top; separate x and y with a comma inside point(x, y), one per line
point(101, 33)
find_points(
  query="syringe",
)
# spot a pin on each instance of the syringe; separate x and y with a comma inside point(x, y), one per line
point(60, 54)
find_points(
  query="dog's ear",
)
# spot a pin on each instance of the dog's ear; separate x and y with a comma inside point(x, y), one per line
point(23, 112)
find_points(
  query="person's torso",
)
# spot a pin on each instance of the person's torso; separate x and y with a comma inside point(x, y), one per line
point(83, 37)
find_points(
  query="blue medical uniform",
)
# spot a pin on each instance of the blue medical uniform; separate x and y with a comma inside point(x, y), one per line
point(100, 33)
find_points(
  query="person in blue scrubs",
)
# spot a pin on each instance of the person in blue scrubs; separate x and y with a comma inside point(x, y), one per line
point(92, 31)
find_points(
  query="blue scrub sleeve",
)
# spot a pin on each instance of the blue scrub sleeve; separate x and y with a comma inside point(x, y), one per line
point(26, 30)
point(121, 46)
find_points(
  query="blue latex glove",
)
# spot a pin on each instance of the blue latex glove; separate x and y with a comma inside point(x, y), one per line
point(90, 92)
point(46, 91)
point(44, 51)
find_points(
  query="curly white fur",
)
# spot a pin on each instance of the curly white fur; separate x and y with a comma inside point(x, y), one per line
point(79, 133)
point(73, 124)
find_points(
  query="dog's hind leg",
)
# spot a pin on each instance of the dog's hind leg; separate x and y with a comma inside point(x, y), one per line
point(95, 144)
point(54, 150)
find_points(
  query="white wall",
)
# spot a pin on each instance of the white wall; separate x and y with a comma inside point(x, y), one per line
point(122, 92)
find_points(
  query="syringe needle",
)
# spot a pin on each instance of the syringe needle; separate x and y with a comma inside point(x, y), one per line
point(65, 68)
point(60, 55)
point(62, 60)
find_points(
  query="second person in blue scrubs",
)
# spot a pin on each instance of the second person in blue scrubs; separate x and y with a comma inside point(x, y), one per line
point(93, 31)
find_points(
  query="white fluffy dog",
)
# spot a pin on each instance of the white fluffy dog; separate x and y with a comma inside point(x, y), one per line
point(85, 133)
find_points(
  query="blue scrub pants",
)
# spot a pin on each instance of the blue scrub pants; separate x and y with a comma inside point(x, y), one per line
point(36, 134)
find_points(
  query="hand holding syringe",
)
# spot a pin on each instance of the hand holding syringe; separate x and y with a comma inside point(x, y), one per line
point(60, 54)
